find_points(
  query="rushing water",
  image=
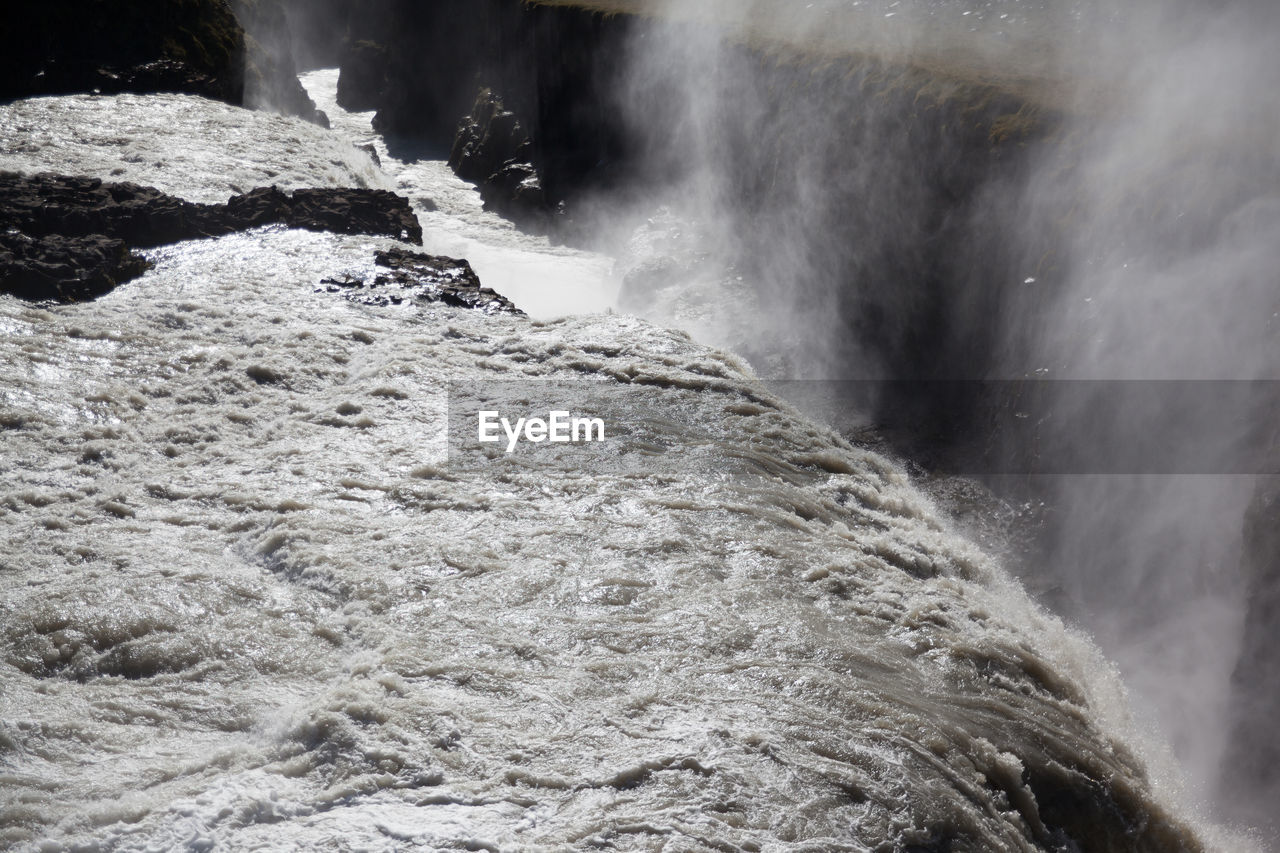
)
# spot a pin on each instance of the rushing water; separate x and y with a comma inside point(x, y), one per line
point(251, 599)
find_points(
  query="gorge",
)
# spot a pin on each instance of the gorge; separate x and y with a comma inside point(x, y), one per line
point(814, 264)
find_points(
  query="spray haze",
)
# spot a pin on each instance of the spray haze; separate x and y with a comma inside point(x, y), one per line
point(1018, 191)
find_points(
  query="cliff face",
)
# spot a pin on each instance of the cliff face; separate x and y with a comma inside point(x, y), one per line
point(778, 125)
point(240, 53)
point(271, 74)
point(421, 66)
point(193, 46)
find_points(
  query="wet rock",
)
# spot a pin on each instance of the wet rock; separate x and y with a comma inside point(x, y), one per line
point(487, 138)
point(144, 216)
point(162, 75)
point(191, 46)
point(343, 211)
point(261, 206)
point(416, 278)
point(372, 150)
point(363, 77)
point(515, 191)
point(69, 238)
point(493, 150)
point(65, 269)
point(1251, 771)
point(47, 204)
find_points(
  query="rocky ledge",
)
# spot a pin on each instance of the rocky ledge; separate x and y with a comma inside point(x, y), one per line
point(70, 238)
point(415, 278)
point(270, 73)
point(493, 150)
point(145, 216)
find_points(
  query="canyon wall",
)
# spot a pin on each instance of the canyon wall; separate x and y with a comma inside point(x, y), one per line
point(915, 246)
point(888, 216)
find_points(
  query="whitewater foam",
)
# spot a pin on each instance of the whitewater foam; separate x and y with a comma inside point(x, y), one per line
point(252, 600)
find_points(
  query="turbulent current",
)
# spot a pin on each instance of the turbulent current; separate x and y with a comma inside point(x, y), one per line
point(253, 597)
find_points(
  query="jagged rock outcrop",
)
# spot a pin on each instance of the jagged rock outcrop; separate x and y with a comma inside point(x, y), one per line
point(65, 269)
point(69, 46)
point(420, 65)
point(319, 29)
point(47, 204)
point(343, 211)
point(69, 238)
point(1251, 770)
point(493, 150)
point(416, 278)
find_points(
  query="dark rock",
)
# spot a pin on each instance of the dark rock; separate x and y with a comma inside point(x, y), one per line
point(271, 75)
point(48, 204)
point(363, 77)
point(144, 216)
point(261, 206)
point(488, 137)
point(65, 269)
point(191, 46)
point(68, 238)
point(417, 278)
point(239, 53)
point(515, 190)
point(492, 149)
point(162, 75)
point(1251, 770)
